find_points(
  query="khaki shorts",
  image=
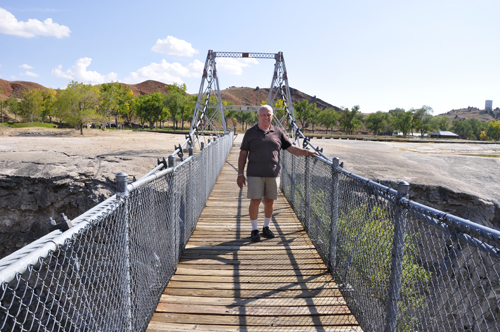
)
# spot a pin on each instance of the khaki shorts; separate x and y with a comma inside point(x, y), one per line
point(258, 187)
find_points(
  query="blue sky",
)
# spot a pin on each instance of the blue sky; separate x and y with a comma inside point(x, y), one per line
point(376, 54)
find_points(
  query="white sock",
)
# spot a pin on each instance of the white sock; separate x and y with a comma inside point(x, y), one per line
point(255, 224)
point(267, 221)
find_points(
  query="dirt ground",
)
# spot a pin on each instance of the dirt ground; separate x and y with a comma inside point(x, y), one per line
point(470, 168)
point(97, 152)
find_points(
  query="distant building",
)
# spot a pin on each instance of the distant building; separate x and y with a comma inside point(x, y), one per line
point(444, 134)
point(488, 105)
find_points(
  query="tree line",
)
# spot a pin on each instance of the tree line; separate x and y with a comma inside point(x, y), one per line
point(81, 104)
point(394, 122)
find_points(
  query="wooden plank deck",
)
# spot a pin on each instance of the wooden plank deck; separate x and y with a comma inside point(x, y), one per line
point(224, 282)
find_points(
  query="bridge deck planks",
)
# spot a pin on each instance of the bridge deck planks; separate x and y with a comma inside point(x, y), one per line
point(224, 282)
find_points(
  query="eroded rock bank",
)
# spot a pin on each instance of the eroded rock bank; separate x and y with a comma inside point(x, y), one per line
point(461, 179)
point(27, 204)
point(44, 175)
point(463, 205)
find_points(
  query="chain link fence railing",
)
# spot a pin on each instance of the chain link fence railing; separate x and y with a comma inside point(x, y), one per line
point(400, 265)
point(108, 271)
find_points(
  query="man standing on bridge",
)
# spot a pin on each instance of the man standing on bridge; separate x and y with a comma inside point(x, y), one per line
point(261, 145)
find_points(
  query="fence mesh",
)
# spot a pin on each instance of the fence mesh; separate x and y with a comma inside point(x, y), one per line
point(401, 266)
point(109, 275)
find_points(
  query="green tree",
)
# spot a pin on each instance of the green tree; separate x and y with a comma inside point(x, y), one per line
point(13, 105)
point(493, 130)
point(377, 122)
point(141, 110)
point(3, 104)
point(422, 119)
point(442, 122)
point(126, 105)
point(463, 129)
point(402, 120)
point(303, 113)
point(110, 101)
point(174, 101)
point(477, 127)
point(313, 115)
point(278, 109)
point(49, 98)
point(351, 119)
point(328, 118)
point(31, 104)
point(78, 104)
point(188, 112)
point(228, 115)
point(469, 128)
point(150, 108)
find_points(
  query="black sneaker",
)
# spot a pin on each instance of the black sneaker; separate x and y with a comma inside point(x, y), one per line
point(255, 236)
point(267, 233)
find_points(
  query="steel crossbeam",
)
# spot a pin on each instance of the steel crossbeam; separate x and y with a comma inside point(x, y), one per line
point(246, 55)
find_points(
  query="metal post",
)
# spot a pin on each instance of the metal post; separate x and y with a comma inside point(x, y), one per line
point(398, 245)
point(190, 197)
point(172, 213)
point(171, 161)
point(308, 193)
point(121, 184)
point(122, 193)
point(294, 181)
point(334, 206)
point(284, 172)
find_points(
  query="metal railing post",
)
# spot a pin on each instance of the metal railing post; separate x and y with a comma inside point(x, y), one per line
point(172, 207)
point(334, 206)
point(398, 246)
point(171, 161)
point(293, 184)
point(122, 193)
point(284, 171)
point(308, 193)
point(190, 196)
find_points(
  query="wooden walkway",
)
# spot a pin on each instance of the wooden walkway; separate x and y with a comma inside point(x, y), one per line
point(224, 282)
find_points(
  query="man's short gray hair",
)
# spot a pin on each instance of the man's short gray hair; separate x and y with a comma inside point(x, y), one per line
point(265, 107)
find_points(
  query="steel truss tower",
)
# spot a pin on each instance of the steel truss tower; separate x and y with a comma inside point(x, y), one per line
point(209, 116)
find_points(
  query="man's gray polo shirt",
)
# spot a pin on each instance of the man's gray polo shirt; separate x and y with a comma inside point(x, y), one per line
point(264, 150)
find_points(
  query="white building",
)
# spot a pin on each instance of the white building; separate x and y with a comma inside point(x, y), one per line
point(488, 105)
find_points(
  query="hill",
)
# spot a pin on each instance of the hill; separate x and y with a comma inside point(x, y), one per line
point(473, 112)
point(251, 96)
point(15, 88)
point(239, 96)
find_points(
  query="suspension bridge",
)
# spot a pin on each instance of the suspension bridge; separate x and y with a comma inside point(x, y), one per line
point(225, 282)
point(171, 250)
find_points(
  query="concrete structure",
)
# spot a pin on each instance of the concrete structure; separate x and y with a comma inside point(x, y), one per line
point(488, 105)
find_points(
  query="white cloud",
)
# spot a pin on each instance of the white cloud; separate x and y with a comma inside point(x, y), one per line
point(166, 72)
point(174, 46)
point(25, 66)
point(9, 25)
point(29, 73)
point(78, 72)
point(234, 66)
